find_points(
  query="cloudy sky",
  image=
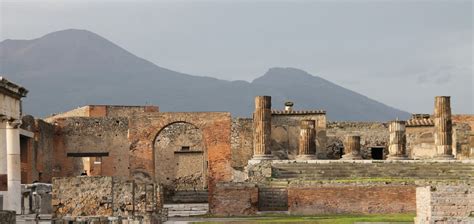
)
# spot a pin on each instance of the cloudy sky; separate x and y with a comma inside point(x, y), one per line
point(402, 53)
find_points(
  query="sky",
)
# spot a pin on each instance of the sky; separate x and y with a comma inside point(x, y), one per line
point(401, 53)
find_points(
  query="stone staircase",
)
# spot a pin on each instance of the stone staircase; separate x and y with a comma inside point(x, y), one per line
point(185, 210)
point(334, 170)
point(189, 197)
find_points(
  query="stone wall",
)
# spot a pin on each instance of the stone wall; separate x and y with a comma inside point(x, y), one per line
point(241, 142)
point(286, 131)
point(462, 141)
point(445, 203)
point(81, 135)
point(181, 158)
point(351, 198)
point(7, 217)
point(104, 196)
point(372, 134)
point(420, 142)
point(104, 111)
point(235, 199)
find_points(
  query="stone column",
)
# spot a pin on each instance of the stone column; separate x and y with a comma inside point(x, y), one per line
point(13, 166)
point(262, 127)
point(397, 141)
point(352, 148)
point(443, 134)
point(307, 146)
point(3, 146)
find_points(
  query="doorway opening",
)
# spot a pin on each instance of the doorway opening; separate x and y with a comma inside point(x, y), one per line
point(377, 153)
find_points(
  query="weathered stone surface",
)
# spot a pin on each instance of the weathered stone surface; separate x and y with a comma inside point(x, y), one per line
point(345, 198)
point(235, 199)
point(372, 135)
point(397, 145)
point(307, 146)
point(262, 121)
point(443, 127)
point(7, 217)
point(352, 147)
point(104, 196)
point(445, 203)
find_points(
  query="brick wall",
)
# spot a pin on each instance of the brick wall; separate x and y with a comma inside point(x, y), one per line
point(445, 203)
point(347, 198)
point(235, 199)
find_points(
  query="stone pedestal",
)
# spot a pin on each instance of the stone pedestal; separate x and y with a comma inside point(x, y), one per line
point(352, 148)
point(397, 141)
point(13, 166)
point(443, 128)
point(262, 121)
point(307, 146)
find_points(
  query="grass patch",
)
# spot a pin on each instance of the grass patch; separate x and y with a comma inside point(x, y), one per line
point(321, 219)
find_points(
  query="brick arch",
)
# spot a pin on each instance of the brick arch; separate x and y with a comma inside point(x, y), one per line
point(215, 127)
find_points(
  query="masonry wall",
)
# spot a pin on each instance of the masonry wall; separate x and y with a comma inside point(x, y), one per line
point(241, 142)
point(353, 199)
point(420, 142)
point(235, 199)
point(445, 203)
point(104, 196)
point(372, 134)
point(91, 135)
point(286, 131)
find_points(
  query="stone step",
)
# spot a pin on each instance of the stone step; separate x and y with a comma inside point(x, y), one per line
point(184, 210)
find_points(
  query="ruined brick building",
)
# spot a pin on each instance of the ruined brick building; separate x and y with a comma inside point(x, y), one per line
point(284, 160)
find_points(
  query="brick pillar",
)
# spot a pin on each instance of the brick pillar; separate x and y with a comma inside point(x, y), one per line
point(307, 146)
point(443, 128)
point(352, 148)
point(13, 166)
point(262, 127)
point(398, 140)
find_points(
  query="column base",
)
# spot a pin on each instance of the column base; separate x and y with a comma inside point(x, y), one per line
point(306, 157)
point(351, 157)
point(444, 157)
point(397, 157)
point(263, 157)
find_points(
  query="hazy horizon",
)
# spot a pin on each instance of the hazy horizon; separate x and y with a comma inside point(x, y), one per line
point(400, 53)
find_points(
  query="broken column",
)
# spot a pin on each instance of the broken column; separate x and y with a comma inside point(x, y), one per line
point(352, 148)
point(443, 128)
point(13, 166)
point(307, 146)
point(262, 122)
point(397, 141)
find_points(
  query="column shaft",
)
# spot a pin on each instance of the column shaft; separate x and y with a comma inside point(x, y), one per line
point(307, 146)
point(352, 147)
point(397, 141)
point(13, 167)
point(262, 120)
point(3, 147)
point(443, 127)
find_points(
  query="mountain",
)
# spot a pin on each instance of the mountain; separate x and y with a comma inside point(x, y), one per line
point(71, 68)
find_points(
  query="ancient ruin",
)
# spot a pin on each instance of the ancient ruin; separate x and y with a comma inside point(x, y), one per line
point(110, 163)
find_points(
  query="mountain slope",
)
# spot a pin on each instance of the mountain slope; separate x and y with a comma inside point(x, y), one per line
point(70, 68)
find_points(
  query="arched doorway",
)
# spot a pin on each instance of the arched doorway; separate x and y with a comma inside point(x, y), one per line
point(181, 163)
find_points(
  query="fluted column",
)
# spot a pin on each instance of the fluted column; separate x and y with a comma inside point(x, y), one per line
point(397, 141)
point(13, 166)
point(443, 128)
point(307, 146)
point(352, 148)
point(262, 121)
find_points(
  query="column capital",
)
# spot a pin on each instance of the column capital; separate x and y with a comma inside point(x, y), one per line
point(13, 123)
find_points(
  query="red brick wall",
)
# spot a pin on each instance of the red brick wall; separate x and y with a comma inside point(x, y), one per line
point(352, 199)
point(235, 199)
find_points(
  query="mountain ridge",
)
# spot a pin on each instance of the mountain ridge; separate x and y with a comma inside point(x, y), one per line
point(86, 68)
